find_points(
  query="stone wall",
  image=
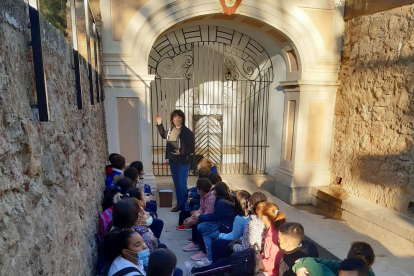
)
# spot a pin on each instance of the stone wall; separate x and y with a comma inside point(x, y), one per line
point(51, 173)
point(374, 116)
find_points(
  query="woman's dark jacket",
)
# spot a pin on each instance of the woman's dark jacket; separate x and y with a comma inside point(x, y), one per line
point(185, 140)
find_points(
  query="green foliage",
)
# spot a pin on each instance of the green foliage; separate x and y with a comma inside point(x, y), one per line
point(55, 12)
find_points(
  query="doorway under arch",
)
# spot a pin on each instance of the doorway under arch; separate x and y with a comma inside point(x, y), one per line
point(220, 78)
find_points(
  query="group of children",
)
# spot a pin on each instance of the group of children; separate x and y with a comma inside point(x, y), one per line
point(233, 232)
point(129, 228)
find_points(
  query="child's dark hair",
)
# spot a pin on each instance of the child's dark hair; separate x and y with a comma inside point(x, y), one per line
point(137, 165)
point(204, 184)
point(114, 242)
point(354, 264)
point(240, 208)
point(121, 187)
point(254, 199)
point(213, 178)
point(118, 162)
point(293, 229)
point(222, 190)
point(161, 262)
point(132, 173)
point(179, 113)
point(122, 241)
point(135, 193)
point(203, 172)
point(111, 157)
point(363, 251)
point(125, 213)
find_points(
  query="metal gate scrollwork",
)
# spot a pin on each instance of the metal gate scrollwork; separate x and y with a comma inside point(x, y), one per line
point(220, 79)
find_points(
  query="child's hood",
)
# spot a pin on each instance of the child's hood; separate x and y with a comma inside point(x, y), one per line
point(225, 201)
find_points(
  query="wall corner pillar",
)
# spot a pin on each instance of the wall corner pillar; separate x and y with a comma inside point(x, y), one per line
point(307, 136)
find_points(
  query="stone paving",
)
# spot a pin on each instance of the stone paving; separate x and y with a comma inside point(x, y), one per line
point(332, 236)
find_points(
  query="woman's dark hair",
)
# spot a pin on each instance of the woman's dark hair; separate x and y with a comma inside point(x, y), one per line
point(213, 178)
point(137, 165)
point(114, 242)
point(222, 190)
point(132, 173)
point(254, 199)
point(161, 262)
point(121, 187)
point(118, 162)
point(241, 197)
point(135, 193)
point(179, 113)
point(204, 184)
point(125, 213)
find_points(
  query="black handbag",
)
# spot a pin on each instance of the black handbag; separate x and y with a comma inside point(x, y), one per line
point(246, 262)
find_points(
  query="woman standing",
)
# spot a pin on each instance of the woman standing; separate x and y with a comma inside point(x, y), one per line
point(180, 144)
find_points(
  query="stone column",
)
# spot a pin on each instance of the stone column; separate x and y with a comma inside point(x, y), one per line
point(306, 144)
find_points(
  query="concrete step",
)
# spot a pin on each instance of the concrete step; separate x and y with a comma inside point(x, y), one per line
point(380, 222)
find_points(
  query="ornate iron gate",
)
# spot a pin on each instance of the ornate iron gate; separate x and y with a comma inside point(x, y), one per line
point(220, 79)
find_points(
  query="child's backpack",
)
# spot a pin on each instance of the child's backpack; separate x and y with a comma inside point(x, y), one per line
point(246, 262)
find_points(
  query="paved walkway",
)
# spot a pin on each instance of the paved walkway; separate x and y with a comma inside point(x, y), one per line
point(330, 234)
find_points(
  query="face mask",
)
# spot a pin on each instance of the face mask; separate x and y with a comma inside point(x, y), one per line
point(177, 122)
point(148, 221)
point(144, 256)
point(142, 173)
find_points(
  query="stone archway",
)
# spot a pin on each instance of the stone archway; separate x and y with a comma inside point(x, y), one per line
point(312, 54)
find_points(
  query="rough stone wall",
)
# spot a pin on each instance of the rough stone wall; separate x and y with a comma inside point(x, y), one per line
point(374, 115)
point(51, 173)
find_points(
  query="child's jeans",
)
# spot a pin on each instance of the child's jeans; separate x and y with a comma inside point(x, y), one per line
point(209, 230)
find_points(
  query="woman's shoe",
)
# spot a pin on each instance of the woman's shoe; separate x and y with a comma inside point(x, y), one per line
point(176, 208)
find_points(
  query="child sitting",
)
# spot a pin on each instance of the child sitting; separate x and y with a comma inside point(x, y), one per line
point(294, 247)
point(162, 262)
point(206, 207)
point(205, 162)
point(271, 218)
point(220, 221)
point(157, 224)
point(142, 227)
point(360, 250)
point(118, 165)
point(193, 202)
point(149, 197)
point(108, 168)
point(220, 246)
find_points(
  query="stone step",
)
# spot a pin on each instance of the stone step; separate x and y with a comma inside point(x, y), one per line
point(380, 222)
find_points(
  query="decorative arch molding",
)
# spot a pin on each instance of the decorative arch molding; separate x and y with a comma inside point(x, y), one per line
point(154, 18)
point(246, 56)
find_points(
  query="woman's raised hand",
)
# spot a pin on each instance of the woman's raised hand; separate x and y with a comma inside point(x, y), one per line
point(158, 118)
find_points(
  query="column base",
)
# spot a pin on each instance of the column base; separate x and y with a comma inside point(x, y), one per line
point(295, 188)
